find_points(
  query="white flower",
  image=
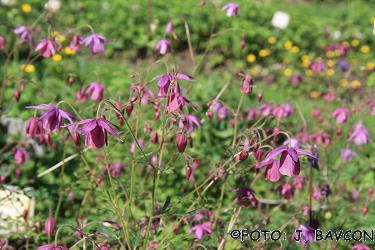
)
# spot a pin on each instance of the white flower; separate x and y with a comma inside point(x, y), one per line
point(280, 20)
point(52, 5)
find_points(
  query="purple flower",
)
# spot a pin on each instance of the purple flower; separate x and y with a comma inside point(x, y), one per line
point(299, 182)
point(165, 80)
point(247, 85)
point(52, 119)
point(282, 110)
point(20, 154)
point(344, 66)
point(46, 48)
point(231, 9)
point(51, 247)
point(317, 66)
point(176, 101)
point(76, 43)
point(189, 122)
point(286, 190)
point(245, 197)
point(347, 154)
point(169, 27)
point(200, 230)
point(305, 234)
point(221, 110)
point(95, 91)
point(181, 141)
point(251, 114)
point(360, 246)
point(163, 47)
point(341, 115)
point(95, 43)
point(288, 164)
point(115, 168)
point(359, 135)
point(141, 143)
point(34, 127)
point(95, 132)
point(49, 226)
point(24, 34)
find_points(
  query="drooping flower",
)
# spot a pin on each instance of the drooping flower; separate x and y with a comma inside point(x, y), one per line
point(359, 135)
point(322, 138)
point(341, 115)
point(347, 154)
point(251, 114)
point(286, 191)
point(20, 154)
point(76, 43)
point(231, 9)
point(52, 119)
point(169, 27)
point(245, 197)
point(202, 229)
point(189, 122)
point(34, 127)
point(181, 141)
point(247, 85)
point(24, 34)
point(288, 164)
point(95, 131)
point(46, 48)
point(165, 80)
point(49, 226)
point(95, 43)
point(221, 110)
point(282, 110)
point(298, 182)
point(305, 234)
point(51, 247)
point(163, 47)
point(95, 91)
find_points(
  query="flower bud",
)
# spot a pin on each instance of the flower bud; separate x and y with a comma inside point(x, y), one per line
point(181, 142)
point(188, 171)
point(260, 97)
point(49, 226)
point(17, 95)
point(2, 42)
point(129, 109)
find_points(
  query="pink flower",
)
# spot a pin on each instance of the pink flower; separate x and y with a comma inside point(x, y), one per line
point(76, 43)
point(282, 110)
point(52, 119)
point(231, 9)
point(34, 127)
point(181, 141)
point(247, 85)
point(95, 132)
point(251, 114)
point(200, 230)
point(24, 34)
point(169, 27)
point(359, 135)
point(2, 42)
point(299, 182)
point(347, 154)
point(165, 80)
point(20, 154)
point(305, 234)
point(51, 247)
point(322, 138)
point(341, 115)
point(286, 191)
point(296, 79)
point(360, 246)
point(115, 168)
point(163, 47)
point(288, 164)
point(189, 122)
point(95, 91)
point(46, 48)
point(95, 43)
point(49, 226)
point(317, 66)
point(245, 197)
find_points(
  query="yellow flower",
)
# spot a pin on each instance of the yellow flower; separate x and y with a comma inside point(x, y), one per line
point(327, 215)
point(305, 58)
point(68, 51)
point(355, 84)
point(288, 45)
point(254, 71)
point(288, 72)
point(54, 34)
point(330, 72)
point(365, 49)
point(251, 58)
point(61, 38)
point(314, 94)
point(354, 43)
point(330, 63)
point(295, 49)
point(28, 68)
point(370, 65)
point(272, 40)
point(309, 72)
point(264, 52)
point(56, 58)
point(330, 54)
point(344, 83)
point(26, 8)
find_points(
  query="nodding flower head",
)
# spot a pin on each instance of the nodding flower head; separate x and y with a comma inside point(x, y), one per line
point(231, 9)
point(46, 48)
point(24, 34)
point(165, 80)
point(181, 141)
point(169, 27)
point(347, 154)
point(95, 91)
point(95, 43)
point(305, 234)
point(49, 226)
point(95, 131)
point(341, 115)
point(189, 122)
point(34, 127)
point(286, 191)
point(75, 43)
point(359, 135)
point(163, 47)
point(20, 155)
point(245, 197)
point(247, 85)
point(52, 119)
point(288, 164)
